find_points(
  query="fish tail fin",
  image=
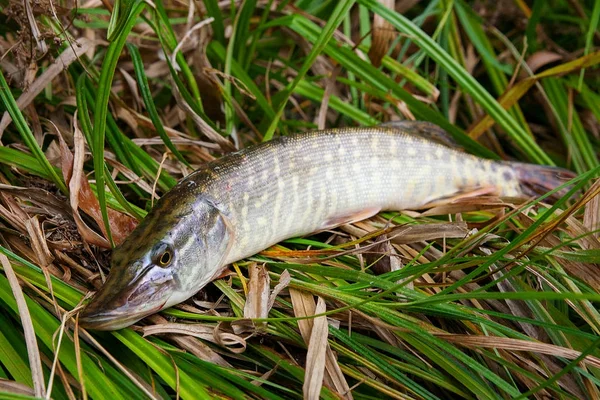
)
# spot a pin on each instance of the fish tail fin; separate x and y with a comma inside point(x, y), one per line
point(536, 180)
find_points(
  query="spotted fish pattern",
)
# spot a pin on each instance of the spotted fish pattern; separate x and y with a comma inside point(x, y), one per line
point(301, 184)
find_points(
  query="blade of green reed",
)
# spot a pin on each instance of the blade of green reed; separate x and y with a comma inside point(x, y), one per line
point(516, 242)
point(11, 358)
point(85, 125)
point(570, 366)
point(167, 37)
point(132, 155)
point(168, 43)
point(237, 46)
point(204, 374)
point(292, 370)
point(45, 324)
point(118, 18)
point(591, 99)
point(534, 19)
point(393, 373)
point(163, 365)
point(100, 113)
point(409, 74)
point(24, 161)
point(589, 37)
point(472, 23)
point(27, 135)
point(570, 126)
point(335, 19)
point(216, 50)
point(444, 354)
point(142, 80)
point(315, 93)
point(71, 296)
point(14, 396)
point(525, 142)
point(255, 37)
point(213, 10)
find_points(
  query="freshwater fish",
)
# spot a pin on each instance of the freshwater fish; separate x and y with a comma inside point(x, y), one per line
point(246, 201)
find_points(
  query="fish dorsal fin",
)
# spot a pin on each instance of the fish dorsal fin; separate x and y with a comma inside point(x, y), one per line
point(424, 130)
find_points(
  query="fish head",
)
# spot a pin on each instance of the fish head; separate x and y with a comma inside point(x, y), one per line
point(169, 256)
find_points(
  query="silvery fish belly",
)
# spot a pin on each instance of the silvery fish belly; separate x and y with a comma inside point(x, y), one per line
point(246, 201)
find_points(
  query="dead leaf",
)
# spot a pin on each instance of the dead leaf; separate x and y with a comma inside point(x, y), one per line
point(257, 300)
point(384, 258)
point(591, 215)
point(7, 386)
point(232, 342)
point(284, 281)
point(412, 233)
point(133, 178)
point(204, 127)
point(496, 342)
point(148, 390)
point(33, 352)
point(382, 35)
point(73, 177)
point(38, 242)
point(304, 305)
point(517, 308)
point(541, 58)
point(584, 271)
point(191, 344)
point(41, 250)
point(82, 196)
point(133, 89)
point(316, 354)
point(48, 202)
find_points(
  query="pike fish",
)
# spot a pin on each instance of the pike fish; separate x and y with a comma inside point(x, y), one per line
point(246, 201)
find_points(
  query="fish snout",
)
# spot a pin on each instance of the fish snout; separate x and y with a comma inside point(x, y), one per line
point(114, 308)
point(99, 315)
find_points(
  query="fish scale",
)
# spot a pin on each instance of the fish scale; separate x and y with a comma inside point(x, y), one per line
point(246, 201)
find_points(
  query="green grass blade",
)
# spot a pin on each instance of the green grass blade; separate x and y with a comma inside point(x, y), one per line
point(19, 121)
point(469, 84)
point(335, 19)
point(101, 109)
point(11, 357)
point(212, 9)
point(149, 102)
point(163, 365)
point(45, 325)
point(589, 37)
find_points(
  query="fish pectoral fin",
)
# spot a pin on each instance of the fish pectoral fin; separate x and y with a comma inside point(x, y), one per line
point(224, 273)
point(464, 194)
point(424, 130)
point(230, 237)
point(349, 218)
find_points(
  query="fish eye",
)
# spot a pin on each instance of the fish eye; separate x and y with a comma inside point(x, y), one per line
point(163, 255)
point(165, 258)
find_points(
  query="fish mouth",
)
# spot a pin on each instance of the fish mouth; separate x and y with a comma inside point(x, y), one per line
point(123, 300)
point(97, 319)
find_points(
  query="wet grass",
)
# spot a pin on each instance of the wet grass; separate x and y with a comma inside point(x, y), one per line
point(478, 299)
